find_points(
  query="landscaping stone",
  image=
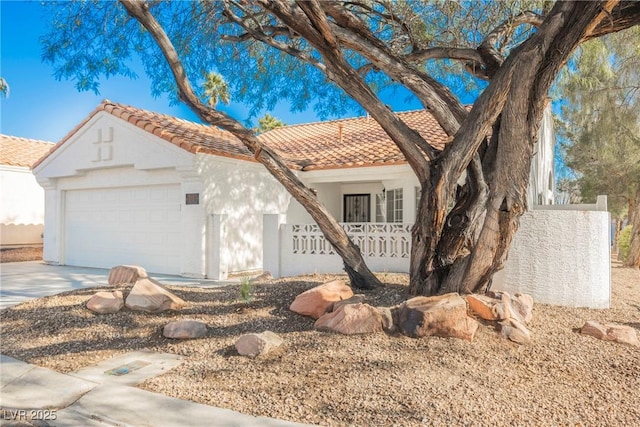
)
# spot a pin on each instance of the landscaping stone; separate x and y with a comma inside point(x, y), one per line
point(611, 332)
point(184, 329)
point(351, 319)
point(515, 331)
point(388, 324)
point(522, 306)
point(150, 296)
point(106, 302)
point(126, 274)
point(359, 298)
point(317, 301)
point(490, 308)
point(442, 316)
point(255, 345)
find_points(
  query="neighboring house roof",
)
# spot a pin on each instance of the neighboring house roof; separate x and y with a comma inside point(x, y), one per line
point(16, 151)
point(321, 145)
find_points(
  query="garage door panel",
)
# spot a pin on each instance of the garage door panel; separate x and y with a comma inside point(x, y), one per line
point(129, 225)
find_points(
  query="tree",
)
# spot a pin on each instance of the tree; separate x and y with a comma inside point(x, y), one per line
point(216, 89)
point(602, 124)
point(339, 52)
point(268, 122)
point(4, 88)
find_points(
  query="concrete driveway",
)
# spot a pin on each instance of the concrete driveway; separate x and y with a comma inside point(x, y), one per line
point(22, 281)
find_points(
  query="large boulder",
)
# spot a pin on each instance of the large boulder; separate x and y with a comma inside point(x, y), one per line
point(317, 301)
point(522, 307)
point(106, 302)
point(126, 274)
point(150, 296)
point(258, 345)
point(184, 329)
point(350, 319)
point(356, 299)
point(611, 332)
point(442, 316)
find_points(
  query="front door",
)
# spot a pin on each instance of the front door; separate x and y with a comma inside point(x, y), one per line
point(357, 208)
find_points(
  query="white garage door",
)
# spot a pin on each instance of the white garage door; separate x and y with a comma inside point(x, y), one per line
point(129, 225)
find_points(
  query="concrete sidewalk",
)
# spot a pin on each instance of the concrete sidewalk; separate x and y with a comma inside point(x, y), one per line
point(30, 395)
point(22, 281)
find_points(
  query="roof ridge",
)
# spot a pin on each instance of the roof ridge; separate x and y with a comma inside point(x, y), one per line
point(40, 141)
point(324, 122)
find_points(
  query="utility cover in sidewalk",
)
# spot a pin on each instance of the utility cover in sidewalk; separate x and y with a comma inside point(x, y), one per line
point(130, 368)
point(125, 369)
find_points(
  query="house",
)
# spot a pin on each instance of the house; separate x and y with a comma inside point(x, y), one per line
point(21, 198)
point(132, 186)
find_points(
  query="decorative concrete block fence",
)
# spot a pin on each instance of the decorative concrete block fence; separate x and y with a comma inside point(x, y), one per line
point(560, 255)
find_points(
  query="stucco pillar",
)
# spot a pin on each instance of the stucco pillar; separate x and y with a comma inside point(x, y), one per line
point(217, 253)
point(271, 243)
point(193, 220)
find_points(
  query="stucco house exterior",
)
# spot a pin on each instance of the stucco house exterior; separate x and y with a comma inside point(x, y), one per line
point(132, 186)
point(21, 198)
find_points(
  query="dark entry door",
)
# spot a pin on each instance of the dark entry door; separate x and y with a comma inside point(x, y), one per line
point(357, 208)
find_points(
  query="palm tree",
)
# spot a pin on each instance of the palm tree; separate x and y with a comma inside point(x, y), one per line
point(216, 89)
point(4, 87)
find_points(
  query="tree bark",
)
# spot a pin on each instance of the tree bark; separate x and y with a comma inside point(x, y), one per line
point(633, 258)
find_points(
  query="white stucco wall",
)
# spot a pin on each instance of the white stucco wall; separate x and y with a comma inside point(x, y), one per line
point(239, 193)
point(21, 207)
point(560, 257)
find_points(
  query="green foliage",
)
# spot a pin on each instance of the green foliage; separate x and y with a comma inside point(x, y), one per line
point(91, 39)
point(216, 89)
point(600, 125)
point(4, 88)
point(246, 290)
point(268, 122)
point(624, 241)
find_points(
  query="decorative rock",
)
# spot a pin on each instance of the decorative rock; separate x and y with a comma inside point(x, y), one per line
point(611, 332)
point(522, 307)
point(128, 274)
point(254, 345)
point(356, 299)
point(442, 316)
point(150, 296)
point(185, 329)
point(513, 330)
point(262, 277)
point(489, 308)
point(317, 301)
point(106, 302)
point(351, 319)
point(387, 319)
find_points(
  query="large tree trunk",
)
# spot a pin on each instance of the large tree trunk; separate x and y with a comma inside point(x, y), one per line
point(460, 252)
point(633, 258)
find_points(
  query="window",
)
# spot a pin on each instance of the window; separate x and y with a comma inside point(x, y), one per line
point(394, 205)
point(357, 208)
point(380, 208)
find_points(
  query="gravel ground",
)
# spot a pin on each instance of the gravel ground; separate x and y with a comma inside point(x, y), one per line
point(561, 378)
point(21, 254)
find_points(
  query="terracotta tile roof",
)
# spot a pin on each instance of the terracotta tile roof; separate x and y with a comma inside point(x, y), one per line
point(349, 142)
point(320, 145)
point(190, 136)
point(16, 151)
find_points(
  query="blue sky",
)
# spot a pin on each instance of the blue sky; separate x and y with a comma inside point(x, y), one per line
point(40, 107)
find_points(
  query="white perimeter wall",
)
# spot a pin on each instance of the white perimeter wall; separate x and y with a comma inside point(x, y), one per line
point(21, 207)
point(559, 257)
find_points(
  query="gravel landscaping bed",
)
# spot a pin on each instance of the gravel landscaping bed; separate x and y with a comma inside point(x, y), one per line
point(21, 254)
point(561, 378)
